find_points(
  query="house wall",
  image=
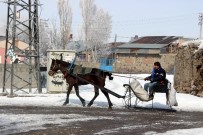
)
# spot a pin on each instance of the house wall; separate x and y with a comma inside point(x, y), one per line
point(88, 64)
point(2, 56)
point(2, 53)
point(143, 63)
point(132, 63)
point(18, 43)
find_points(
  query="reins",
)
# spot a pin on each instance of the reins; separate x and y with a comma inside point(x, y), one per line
point(133, 77)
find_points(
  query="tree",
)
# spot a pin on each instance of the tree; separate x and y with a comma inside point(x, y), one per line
point(65, 16)
point(44, 40)
point(88, 10)
point(55, 37)
point(100, 31)
point(96, 26)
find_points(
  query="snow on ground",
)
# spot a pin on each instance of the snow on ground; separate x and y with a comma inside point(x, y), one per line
point(14, 123)
point(18, 123)
point(194, 131)
point(186, 102)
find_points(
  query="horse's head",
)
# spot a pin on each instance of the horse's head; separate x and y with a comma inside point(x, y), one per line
point(55, 66)
point(58, 65)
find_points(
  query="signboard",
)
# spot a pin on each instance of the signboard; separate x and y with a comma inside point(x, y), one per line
point(57, 83)
point(12, 54)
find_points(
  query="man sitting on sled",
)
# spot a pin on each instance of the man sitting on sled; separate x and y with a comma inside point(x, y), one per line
point(158, 76)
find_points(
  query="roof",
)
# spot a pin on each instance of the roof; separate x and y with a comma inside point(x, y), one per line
point(142, 46)
point(18, 43)
point(2, 38)
point(114, 44)
point(156, 40)
point(80, 46)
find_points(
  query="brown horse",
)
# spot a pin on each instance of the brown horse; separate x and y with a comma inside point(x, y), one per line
point(96, 77)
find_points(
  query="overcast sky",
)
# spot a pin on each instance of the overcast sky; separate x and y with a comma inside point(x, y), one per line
point(136, 17)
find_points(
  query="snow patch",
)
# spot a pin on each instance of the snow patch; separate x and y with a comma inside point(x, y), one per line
point(18, 123)
point(194, 131)
point(117, 130)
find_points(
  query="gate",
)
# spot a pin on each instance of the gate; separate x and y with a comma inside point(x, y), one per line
point(106, 64)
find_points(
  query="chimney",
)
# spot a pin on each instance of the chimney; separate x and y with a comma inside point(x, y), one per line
point(134, 38)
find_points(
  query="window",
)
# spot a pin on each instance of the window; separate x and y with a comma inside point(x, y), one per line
point(82, 57)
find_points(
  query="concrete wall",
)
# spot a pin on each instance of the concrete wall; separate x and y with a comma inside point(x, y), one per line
point(144, 64)
point(188, 76)
point(22, 71)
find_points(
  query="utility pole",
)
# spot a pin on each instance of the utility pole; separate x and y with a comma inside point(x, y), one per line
point(29, 57)
point(114, 52)
point(200, 24)
point(114, 46)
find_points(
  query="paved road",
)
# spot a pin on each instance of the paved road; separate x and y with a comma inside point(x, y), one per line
point(88, 121)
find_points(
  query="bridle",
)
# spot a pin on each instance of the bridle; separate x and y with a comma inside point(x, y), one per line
point(51, 71)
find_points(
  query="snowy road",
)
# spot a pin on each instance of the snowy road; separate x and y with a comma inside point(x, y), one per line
point(97, 121)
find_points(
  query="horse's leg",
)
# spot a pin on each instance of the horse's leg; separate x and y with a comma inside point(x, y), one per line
point(107, 96)
point(68, 93)
point(77, 93)
point(96, 90)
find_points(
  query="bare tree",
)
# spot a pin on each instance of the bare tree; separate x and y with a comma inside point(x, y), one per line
point(65, 16)
point(100, 31)
point(88, 10)
point(96, 26)
point(55, 37)
point(44, 40)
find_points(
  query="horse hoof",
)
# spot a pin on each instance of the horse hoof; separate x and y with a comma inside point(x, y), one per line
point(65, 103)
point(83, 104)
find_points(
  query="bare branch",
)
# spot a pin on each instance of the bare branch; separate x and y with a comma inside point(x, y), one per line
point(65, 16)
point(96, 26)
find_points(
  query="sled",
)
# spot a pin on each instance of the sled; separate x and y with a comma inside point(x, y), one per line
point(135, 90)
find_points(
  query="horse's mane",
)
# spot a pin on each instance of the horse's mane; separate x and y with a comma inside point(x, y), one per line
point(64, 63)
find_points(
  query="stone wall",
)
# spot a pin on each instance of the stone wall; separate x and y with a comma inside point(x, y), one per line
point(141, 64)
point(188, 76)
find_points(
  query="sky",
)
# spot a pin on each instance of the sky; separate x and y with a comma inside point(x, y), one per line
point(135, 17)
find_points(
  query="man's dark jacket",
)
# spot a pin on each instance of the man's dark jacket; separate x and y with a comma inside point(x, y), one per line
point(158, 75)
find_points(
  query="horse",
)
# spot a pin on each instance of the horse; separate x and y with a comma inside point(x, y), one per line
point(96, 77)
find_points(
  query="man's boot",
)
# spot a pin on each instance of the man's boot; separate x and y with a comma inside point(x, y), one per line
point(151, 95)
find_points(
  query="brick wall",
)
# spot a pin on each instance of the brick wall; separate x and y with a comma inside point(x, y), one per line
point(144, 64)
point(88, 64)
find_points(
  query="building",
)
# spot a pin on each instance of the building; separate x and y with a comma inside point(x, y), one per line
point(138, 56)
point(19, 44)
